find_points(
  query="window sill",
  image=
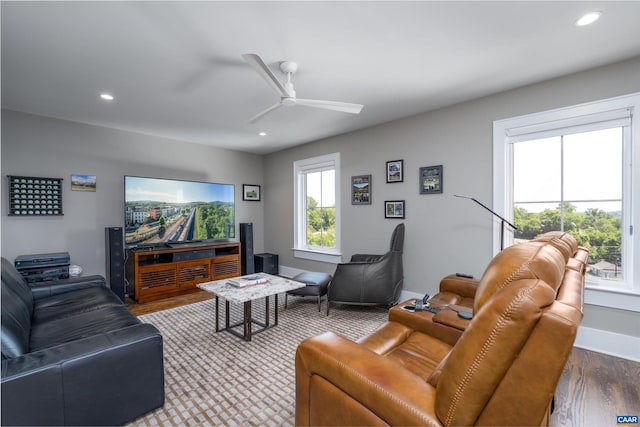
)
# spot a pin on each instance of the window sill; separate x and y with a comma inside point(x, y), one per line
point(315, 255)
point(612, 298)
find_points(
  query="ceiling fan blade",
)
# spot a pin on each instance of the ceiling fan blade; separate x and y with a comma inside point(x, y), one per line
point(264, 113)
point(345, 107)
point(258, 64)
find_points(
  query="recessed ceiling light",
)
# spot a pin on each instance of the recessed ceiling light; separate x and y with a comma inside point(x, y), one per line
point(588, 18)
point(262, 134)
point(106, 97)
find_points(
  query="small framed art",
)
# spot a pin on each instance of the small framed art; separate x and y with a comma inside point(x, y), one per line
point(83, 182)
point(394, 209)
point(251, 192)
point(395, 172)
point(431, 179)
point(361, 190)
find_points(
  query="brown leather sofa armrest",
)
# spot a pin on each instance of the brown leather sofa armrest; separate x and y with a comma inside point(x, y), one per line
point(423, 322)
point(392, 393)
point(450, 318)
point(463, 286)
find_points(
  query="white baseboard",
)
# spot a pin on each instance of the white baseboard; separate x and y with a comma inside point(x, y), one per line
point(597, 340)
point(406, 295)
point(611, 343)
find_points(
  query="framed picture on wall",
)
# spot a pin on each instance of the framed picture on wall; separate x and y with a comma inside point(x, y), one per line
point(83, 182)
point(394, 209)
point(431, 179)
point(361, 190)
point(251, 192)
point(395, 172)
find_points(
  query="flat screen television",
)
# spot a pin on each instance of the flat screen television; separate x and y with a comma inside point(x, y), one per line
point(161, 211)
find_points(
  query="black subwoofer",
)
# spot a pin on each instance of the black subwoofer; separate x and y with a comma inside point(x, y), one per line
point(115, 260)
point(267, 263)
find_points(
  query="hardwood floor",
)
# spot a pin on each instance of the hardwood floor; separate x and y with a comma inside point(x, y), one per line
point(594, 388)
point(164, 304)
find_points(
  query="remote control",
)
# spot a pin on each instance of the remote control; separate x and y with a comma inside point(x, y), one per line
point(468, 276)
point(465, 315)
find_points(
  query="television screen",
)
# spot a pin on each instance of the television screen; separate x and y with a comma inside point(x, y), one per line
point(172, 211)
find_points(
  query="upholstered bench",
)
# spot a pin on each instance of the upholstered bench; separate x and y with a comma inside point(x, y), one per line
point(317, 284)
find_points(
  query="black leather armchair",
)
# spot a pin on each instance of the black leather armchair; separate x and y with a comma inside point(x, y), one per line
point(370, 279)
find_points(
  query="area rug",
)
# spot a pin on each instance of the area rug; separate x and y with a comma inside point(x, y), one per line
point(219, 379)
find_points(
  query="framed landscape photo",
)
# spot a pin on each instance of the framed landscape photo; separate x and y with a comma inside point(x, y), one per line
point(394, 209)
point(361, 190)
point(251, 192)
point(431, 179)
point(83, 182)
point(395, 172)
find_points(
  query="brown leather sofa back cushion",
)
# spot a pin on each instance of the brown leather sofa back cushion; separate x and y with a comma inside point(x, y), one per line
point(485, 352)
point(562, 241)
point(533, 260)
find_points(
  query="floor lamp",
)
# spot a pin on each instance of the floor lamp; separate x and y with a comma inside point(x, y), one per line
point(501, 218)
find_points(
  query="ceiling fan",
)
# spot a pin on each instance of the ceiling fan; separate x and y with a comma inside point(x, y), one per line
point(286, 91)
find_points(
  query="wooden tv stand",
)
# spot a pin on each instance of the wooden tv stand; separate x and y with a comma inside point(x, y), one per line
point(155, 274)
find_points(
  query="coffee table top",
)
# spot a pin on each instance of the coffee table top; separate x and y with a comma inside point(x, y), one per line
point(275, 285)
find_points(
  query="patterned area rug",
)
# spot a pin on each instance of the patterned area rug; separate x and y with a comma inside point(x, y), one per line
point(218, 379)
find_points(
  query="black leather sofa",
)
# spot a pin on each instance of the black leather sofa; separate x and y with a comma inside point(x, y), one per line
point(73, 354)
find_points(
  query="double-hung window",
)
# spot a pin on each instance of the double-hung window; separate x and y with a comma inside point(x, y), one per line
point(317, 209)
point(572, 170)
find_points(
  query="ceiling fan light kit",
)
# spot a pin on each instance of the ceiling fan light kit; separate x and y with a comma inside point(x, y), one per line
point(287, 92)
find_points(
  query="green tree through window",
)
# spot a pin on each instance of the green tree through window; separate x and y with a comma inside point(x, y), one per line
point(578, 189)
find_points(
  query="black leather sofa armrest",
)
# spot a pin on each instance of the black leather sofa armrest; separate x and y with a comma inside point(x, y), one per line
point(106, 379)
point(61, 286)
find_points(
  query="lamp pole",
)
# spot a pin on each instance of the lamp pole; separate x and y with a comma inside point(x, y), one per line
point(503, 221)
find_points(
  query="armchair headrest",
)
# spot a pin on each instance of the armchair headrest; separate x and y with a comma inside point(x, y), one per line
point(397, 239)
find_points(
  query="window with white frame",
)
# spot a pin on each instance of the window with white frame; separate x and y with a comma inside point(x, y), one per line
point(571, 170)
point(317, 208)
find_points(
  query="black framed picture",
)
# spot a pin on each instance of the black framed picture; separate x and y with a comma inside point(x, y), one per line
point(394, 209)
point(361, 190)
point(431, 179)
point(395, 171)
point(251, 192)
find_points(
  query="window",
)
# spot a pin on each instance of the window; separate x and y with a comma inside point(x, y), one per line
point(317, 214)
point(578, 190)
point(571, 170)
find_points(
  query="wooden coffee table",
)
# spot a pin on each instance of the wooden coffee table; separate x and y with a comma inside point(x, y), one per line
point(274, 286)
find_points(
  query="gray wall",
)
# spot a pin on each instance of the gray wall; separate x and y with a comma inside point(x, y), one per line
point(445, 234)
point(44, 147)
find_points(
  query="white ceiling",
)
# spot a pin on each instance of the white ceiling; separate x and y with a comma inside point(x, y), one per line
point(175, 67)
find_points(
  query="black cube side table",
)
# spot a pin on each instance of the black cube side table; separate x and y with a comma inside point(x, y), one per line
point(266, 263)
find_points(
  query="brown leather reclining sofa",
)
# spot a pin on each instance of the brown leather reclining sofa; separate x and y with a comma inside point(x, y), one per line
point(500, 368)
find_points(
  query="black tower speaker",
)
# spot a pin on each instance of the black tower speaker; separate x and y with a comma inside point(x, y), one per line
point(246, 251)
point(115, 260)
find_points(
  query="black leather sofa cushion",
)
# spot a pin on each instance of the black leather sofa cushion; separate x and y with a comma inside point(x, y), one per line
point(59, 306)
point(16, 323)
point(72, 328)
point(62, 286)
point(12, 279)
